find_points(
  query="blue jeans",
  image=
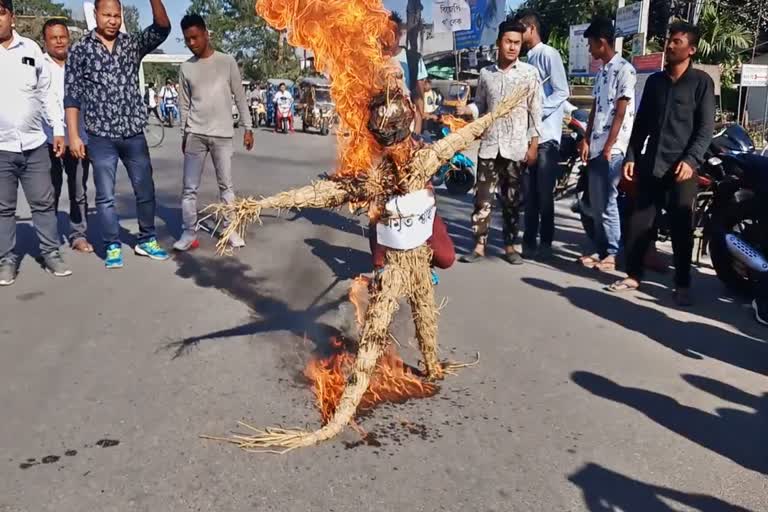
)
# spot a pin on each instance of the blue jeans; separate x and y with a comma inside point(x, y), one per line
point(539, 196)
point(604, 177)
point(134, 153)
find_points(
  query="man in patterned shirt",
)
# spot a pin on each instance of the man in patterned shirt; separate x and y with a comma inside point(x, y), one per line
point(509, 145)
point(102, 79)
point(606, 141)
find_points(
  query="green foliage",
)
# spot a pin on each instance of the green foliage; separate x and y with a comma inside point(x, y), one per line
point(159, 72)
point(237, 30)
point(724, 39)
point(559, 15)
point(131, 19)
point(45, 8)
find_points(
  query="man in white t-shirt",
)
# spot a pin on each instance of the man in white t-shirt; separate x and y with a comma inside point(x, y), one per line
point(56, 36)
point(283, 101)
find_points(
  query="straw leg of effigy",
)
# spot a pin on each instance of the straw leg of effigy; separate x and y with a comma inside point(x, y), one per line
point(421, 297)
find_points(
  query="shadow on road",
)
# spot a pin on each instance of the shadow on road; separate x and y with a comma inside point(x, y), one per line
point(732, 433)
point(689, 338)
point(269, 313)
point(607, 491)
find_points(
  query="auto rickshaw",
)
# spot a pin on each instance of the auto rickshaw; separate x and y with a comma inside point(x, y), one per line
point(315, 106)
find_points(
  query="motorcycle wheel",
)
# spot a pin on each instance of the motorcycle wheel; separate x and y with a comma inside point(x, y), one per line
point(731, 219)
point(459, 181)
point(324, 129)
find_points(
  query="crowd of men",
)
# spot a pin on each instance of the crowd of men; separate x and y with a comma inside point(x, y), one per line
point(74, 110)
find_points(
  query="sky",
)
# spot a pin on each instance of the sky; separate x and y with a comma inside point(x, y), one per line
point(177, 8)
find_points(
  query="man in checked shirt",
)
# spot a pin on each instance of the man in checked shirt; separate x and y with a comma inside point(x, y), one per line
point(509, 146)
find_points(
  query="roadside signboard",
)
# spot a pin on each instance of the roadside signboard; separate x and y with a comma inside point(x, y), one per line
point(754, 75)
point(451, 15)
point(629, 20)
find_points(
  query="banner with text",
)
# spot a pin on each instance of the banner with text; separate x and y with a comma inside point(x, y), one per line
point(486, 17)
point(451, 15)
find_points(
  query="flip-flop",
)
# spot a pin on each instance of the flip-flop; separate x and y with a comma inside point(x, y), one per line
point(621, 286)
point(471, 258)
point(588, 261)
point(605, 266)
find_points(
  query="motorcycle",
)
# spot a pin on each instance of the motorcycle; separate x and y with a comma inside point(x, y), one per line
point(724, 145)
point(170, 110)
point(457, 175)
point(570, 160)
point(258, 113)
point(735, 231)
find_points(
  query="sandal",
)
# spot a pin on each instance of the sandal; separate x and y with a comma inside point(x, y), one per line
point(606, 265)
point(589, 261)
point(624, 285)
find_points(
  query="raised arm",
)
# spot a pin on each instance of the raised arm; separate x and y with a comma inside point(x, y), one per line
point(155, 34)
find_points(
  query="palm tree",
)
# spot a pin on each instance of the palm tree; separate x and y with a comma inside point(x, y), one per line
point(723, 39)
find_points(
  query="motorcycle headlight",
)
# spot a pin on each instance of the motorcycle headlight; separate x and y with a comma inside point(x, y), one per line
point(714, 161)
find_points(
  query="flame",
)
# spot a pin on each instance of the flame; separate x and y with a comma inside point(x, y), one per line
point(346, 38)
point(454, 123)
point(392, 381)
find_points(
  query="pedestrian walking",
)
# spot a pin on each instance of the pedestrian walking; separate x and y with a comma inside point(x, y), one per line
point(57, 42)
point(605, 143)
point(207, 81)
point(541, 179)
point(102, 85)
point(508, 146)
point(27, 102)
point(676, 117)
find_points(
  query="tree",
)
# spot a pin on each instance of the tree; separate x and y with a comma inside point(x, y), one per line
point(558, 15)
point(724, 39)
point(237, 30)
point(131, 19)
point(45, 8)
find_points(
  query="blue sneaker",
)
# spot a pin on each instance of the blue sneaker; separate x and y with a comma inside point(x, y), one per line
point(151, 249)
point(435, 277)
point(114, 256)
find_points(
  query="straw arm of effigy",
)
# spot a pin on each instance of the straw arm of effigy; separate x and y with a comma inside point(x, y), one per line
point(427, 161)
point(245, 211)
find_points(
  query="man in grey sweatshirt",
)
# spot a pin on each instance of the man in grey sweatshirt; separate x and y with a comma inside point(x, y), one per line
point(207, 83)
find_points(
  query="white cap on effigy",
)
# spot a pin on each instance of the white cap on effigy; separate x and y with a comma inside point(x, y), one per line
point(407, 221)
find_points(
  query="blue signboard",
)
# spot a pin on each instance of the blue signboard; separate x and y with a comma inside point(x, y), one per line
point(486, 17)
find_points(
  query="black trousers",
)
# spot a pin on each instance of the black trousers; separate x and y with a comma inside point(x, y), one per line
point(77, 185)
point(540, 183)
point(677, 198)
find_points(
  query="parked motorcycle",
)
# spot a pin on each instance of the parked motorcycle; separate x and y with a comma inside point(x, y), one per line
point(725, 145)
point(457, 175)
point(570, 160)
point(736, 231)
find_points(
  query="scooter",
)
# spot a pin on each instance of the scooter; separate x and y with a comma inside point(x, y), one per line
point(258, 113)
point(170, 110)
point(284, 121)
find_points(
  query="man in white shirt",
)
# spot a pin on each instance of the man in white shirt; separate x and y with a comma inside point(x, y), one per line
point(508, 146)
point(27, 101)
point(56, 36)
point(151, 100)
point(606, 141)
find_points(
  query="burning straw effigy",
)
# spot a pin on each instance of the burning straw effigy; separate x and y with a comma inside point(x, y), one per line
point(382, 169)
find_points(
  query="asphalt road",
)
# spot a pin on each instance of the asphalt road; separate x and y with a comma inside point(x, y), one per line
point(582, 401)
